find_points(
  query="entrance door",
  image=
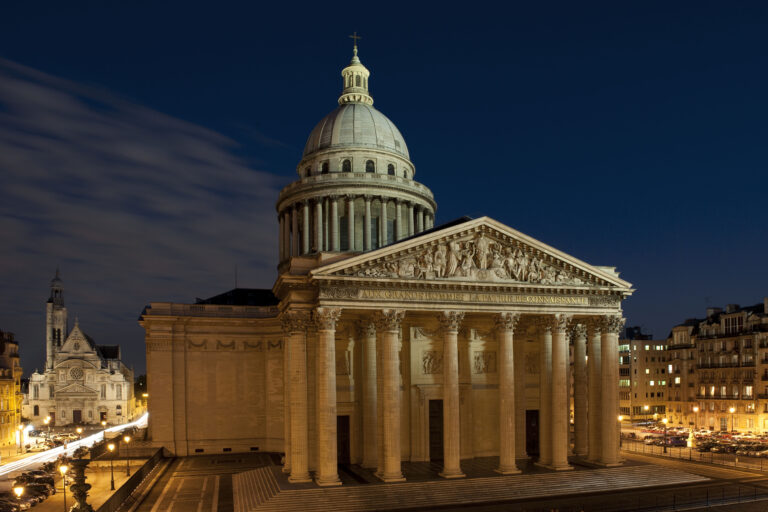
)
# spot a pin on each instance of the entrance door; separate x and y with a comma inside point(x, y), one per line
point(435, 430)
point(102, 416)
point(532, 432)
point(342, 440)
point(77, 416)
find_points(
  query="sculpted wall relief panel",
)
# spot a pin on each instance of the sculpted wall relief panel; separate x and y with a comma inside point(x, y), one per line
point(432, 362)
point(484, 362)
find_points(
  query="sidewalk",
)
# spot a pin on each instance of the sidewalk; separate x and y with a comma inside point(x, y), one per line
point(98, 494)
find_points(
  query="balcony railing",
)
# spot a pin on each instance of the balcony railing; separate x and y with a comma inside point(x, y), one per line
point(730, 364)
point(725, 397)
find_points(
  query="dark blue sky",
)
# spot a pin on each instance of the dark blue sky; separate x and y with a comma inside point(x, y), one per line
point(626, 135)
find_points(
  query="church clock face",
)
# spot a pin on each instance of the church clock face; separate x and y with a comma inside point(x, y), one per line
point(76, 373)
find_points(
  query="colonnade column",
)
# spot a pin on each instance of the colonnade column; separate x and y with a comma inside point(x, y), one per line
point(520, 400)
point(351, 223)
point(545, 391)
point(318, 225)
point(327, 464)
point(505, 329)
point(383, 223)
point(335, 224)
point(367, 333)
point(580, 441)
point(398, 220)
point(610, 327)
point(367, 225)
point(419, 219)
point(388, 321)
point(559, 413)
point(409, 211)
point(305, 228)
point(294, 231)
point(295, 324)
point(450, 321)
point(594, 410)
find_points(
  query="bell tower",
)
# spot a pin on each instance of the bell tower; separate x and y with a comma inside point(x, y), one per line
point(55, 320)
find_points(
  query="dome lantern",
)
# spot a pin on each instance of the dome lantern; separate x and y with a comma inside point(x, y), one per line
point(355, 79)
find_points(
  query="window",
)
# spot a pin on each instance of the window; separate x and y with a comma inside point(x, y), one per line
point(119, 392)
point(37, 410)
point(36, 393)
point(370, 166)
point(119, 410)
point(324, 168)
point(391, 170)
point(405, 174)
point(346, 166)
point(647, 371)
point(357, 80)
point(677, 380)
point(307, 172)
point(103, 391)
point(653, 383)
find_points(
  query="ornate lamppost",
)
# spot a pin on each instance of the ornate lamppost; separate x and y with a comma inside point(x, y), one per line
point(47, 422)
point(732, 410)
point(63, 470)
point(18, 491)
point(621, 418)
point(127, 440)
point(111, 448)
point(79, 431)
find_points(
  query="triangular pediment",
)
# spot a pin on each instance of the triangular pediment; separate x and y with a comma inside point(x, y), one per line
point(477, 251)
point(74, 389)
point(77, 342)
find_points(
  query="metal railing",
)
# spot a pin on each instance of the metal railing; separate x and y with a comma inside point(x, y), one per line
point(124, 493)
point(691, 454)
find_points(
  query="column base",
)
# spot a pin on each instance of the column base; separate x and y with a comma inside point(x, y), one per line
point(508, 471)
point(287, 470)
point(599, 464)
point(391, 478)
point(332, 481)
point(451, 475)
point(299, 479)
point(552, 467)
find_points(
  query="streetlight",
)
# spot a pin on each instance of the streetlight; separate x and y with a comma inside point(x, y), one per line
point(732, 410)
point(79, 431)
point(127, 440)
point(111, 448)
point(63, 470)
point(18, 491)
point(103, 423)
point(646, 408)
point(695, 417)
point(47, 422)
point(621, 418)
point(664, 421)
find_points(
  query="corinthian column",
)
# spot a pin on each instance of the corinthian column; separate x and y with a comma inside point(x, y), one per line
point(295, 324)
point(419, 219)
point(545, 391)
point(399, 220)
point(409, 212)
point(594, 409)
point(388, 321)
point(383, 222)
point(610, 327)
point(367, 333)
point(335, 223)
point(319, 225)
point(559, 414)
point(505, 329)
point(367, 225)
point(281, 252)
point(450, 321)
point(327, 464)
point(351, 223)
point(520, 400)
point(580, 441)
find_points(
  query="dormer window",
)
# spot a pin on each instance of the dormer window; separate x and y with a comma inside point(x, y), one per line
point(370, 166)
point(346, 166)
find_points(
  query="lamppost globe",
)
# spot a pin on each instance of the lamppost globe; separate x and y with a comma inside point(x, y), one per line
point(79, 431)
point(18, 491)
point(63, 470)
point(664, 421)
point(111, 448)
point(695, 409)
point(103, 423)
point(732, 410)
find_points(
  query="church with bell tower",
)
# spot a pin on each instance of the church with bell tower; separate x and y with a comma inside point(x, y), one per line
point(390, 337)
point(82, 383)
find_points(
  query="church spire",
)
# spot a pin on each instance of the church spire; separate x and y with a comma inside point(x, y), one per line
point(355, 79)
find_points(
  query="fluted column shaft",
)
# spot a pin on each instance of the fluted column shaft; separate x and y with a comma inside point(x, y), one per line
point(351, 222)
point(335, 224)
point(398, 220)
point(389, 323)
point(327, 467)
point(318, 225)
point(367, 225)
point(545, 393)
point(594, 409)
point(294, 232)
point(383, 235)
point(295, 323)
point(286, 403)
point(520, 400)
point(611, 325)
point(581, 438)
point(560, 384)
point(450, 321)
point(409, 212)
point(419, 219)
point(305, 249)
point(505, 329)
point(367, 334)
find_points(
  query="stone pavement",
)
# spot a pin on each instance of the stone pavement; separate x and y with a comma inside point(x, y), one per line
point(100, 490)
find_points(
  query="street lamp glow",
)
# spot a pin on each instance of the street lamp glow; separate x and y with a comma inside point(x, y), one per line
point(127, 440)
point(111, 447)
point(621, 418)
point(18, 491)
point(695, 409)
point(645, 407)
point(103, 423)
point(664, 420)
point(63, 470)
point(732, 410)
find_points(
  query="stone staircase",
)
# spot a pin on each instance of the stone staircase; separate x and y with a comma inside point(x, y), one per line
point(258, 490)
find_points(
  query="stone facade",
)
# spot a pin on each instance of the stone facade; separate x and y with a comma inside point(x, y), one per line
point(644, 378)
point(444, 342)
point(722, 363)
point(10, 392)
point(83, 383)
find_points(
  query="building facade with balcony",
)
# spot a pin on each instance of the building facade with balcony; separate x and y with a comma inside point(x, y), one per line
point(722, 362)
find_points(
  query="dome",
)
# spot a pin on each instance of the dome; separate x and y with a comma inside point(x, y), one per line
point(356, 125)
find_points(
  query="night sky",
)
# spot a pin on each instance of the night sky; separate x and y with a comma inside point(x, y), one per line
point(143, 144)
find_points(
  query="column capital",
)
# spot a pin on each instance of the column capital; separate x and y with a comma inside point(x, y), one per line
point(295, 321)
point(325, 318)
point(577, 331)
point(366, 328)
point(450, 320)
point(506, 321)
point(593, 325)
point(561, 322)
point(367, 197)
point(333, 197)
point(350, 197)
point(389, 319)
point(612, 324)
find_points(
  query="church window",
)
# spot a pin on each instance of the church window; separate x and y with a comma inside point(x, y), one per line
point(37, 410)
point(346, 166)
point(90, 414)
point(325, 168)
point(365, 83)
point(36, 393)
point(405, 174)
point(357, 80)
point(370, 166)
point(103, 391)
point(119, 392)
point(391, 170)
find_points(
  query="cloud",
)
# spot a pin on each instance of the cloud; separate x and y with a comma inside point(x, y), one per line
point(134, 205)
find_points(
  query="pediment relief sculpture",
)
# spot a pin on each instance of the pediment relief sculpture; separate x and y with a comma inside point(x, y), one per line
point(477, 257)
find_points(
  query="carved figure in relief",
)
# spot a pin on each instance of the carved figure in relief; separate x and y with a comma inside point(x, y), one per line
point(454, 255)
point(485, 362)
point(531, 363)
point(440, 260)
point(467, 262)
point(482, 245)
point(432, 362)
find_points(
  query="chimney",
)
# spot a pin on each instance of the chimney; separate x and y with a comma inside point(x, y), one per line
point(713, 311)
point(731, 308)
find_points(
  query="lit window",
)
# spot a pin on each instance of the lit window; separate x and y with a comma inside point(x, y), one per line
point(677, 380)
point(647, 371)
point(652, 383)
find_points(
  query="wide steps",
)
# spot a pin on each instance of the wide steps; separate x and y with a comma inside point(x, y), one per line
point(253, 488)
point(451, 492)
